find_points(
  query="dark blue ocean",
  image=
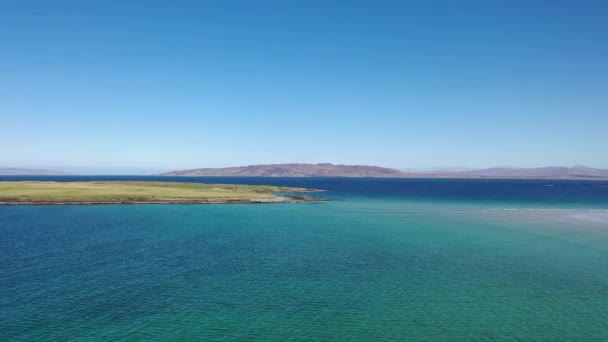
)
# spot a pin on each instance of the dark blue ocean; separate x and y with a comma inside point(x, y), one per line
point(385, 260)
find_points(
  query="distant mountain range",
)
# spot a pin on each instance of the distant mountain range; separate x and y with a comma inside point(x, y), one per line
point(339, 170)
point(28, 172)
point(332, 170)
point(550, 172)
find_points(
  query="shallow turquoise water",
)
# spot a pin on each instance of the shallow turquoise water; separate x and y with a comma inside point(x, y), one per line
point(359, 269)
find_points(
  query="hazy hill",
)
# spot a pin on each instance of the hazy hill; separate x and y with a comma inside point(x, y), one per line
point(550, 172)
point(294, 170)
point(28, 172)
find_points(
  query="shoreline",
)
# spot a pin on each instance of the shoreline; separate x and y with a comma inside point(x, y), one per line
point(273, 200)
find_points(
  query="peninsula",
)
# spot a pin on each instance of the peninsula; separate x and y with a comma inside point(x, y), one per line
point(135, 192)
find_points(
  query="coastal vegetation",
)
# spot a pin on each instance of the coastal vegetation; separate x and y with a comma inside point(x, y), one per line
point(125, 192)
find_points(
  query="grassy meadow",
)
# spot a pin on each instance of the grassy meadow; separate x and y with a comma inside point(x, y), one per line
point(125, 191)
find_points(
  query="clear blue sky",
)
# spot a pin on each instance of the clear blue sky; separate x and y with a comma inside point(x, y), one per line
point(160, 85)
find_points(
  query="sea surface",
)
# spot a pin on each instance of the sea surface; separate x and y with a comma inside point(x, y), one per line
point(385, 260)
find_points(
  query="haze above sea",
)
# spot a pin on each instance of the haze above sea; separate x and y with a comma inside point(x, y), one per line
point(385, 259)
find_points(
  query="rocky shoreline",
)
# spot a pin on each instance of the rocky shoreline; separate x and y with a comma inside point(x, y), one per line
point(277, 199)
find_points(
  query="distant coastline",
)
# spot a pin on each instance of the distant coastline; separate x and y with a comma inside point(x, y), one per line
point(12, 171)
point(576, 172)
point(339, 170)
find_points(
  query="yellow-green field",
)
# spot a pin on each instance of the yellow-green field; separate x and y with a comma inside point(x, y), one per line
point(29, 192)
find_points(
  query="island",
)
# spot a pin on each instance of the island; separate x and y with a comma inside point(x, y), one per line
point(293, 170)
point(143, 192)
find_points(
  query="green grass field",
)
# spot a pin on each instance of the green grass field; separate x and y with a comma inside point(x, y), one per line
point(132, 191)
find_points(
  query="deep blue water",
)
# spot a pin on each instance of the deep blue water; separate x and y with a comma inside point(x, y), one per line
point(388, 259)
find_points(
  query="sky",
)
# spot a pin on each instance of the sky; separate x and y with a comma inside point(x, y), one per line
point(146, 86)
